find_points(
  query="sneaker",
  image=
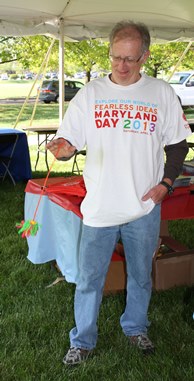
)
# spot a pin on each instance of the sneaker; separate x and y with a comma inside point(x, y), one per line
point(142, 342)
point(75, 356)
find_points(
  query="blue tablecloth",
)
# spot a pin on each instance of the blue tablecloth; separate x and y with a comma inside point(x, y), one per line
point(20, 166)
point(58, 237)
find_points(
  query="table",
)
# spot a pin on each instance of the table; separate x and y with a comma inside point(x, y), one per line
point(47, 133)
point(59, 213)
point(59, 237)
point(20, 166)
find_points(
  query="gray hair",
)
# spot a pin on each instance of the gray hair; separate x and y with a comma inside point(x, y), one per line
point(123, 28)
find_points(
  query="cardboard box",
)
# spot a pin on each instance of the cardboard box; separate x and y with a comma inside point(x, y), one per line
point(116, 276)
point(171, 267)
point(175, 267)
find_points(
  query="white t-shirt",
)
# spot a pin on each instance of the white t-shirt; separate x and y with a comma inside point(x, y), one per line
point(124, 129)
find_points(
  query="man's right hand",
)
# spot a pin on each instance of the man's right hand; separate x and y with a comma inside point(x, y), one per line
point(61, 148)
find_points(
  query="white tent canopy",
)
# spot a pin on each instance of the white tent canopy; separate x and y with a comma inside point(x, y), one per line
point(167, 20)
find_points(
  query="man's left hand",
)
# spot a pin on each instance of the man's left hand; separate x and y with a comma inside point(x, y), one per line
point(157, 194)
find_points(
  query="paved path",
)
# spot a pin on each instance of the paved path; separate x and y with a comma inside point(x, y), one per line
point(16, 100)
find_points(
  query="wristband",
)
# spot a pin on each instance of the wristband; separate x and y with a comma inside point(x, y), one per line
point(169, 187)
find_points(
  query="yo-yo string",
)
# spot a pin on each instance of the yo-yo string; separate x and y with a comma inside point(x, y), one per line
point(45, 181)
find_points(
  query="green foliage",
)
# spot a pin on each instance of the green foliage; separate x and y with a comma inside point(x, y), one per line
point(7, 51)
point(13, 76)
point(87, 54)
point(31, 51)
point(165, 56)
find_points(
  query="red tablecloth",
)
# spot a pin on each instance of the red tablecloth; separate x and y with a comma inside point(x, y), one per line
point(69, 192)
point(180, 205)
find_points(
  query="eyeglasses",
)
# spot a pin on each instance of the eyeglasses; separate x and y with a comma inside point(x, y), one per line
point(128, 60)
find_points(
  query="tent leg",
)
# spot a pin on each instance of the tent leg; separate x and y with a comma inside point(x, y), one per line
point(61, 72)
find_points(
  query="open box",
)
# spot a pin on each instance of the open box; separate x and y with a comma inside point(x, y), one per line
point(175, 268)
point(116, 277)
point(173, 265)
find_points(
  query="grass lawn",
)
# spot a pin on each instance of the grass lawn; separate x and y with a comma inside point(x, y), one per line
point(17, 88)
point(45, 115)
point(35, 320)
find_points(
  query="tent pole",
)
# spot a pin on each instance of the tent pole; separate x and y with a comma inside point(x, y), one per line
point(45, 62)
point(61, 72)
point(180, 59)
point(43, 76)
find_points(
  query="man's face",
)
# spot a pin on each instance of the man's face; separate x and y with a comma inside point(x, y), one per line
point(126, 71)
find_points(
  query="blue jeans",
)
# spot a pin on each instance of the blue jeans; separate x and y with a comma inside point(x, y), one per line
point(139, 238)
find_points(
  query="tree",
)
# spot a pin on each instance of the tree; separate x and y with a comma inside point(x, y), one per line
point(165, 56)
point(7, 51)
point(30, 51)
point(86, 55)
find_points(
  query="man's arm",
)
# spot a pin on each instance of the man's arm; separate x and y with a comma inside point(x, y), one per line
point(175, 155)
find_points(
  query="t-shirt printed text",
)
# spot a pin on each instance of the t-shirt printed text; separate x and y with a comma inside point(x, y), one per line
point(134, 116)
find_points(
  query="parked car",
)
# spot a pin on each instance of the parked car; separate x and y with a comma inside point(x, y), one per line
point(183, 84)
point(80, 74)
point(49, 91)
point(28, 76)
point(4, 76)
point(54, 76)
point(94, 74)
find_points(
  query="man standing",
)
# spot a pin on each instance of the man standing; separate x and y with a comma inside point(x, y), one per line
point(125, 120)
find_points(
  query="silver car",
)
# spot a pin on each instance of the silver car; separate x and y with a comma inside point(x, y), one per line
point(49, 92)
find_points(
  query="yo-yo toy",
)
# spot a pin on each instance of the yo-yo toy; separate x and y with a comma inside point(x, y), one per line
point(30, 227)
